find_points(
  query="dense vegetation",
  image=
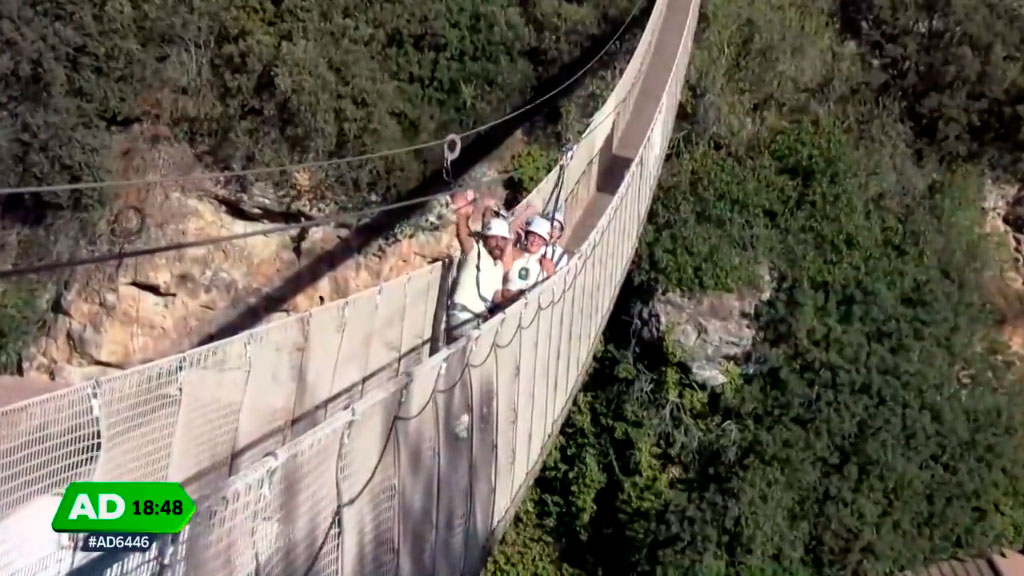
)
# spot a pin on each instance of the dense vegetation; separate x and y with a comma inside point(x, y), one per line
point(877, 426)
point(257, 82)
point(957, 69)
point(251, 83)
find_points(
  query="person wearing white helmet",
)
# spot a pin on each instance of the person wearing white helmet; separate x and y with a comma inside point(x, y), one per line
point(529, 265)
point(478, 285)
point(553, 251)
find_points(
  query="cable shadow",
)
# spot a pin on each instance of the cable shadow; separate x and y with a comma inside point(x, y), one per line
point(380, 224)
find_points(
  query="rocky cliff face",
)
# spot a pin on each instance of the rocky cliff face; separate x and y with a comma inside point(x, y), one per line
point(1004, 210)
point(715, 328)
point(116, 316)
point(120, 315)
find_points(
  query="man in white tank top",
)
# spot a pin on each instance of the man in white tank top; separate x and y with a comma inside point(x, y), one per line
point(529, 266)
point(478, 285)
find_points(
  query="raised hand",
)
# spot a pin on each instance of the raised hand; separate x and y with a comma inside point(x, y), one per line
point(463, 200)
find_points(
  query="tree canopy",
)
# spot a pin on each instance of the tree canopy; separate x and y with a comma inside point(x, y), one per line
point(262, 82)
point(956, 67)
point(876, 426)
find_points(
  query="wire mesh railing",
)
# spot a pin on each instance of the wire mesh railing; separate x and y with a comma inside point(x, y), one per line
point(411, 461)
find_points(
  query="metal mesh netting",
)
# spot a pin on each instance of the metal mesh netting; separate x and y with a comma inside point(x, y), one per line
point(273, 516)
point(51, 565)
point(370, 522)
point(405, 464)
point(507, 361)
point(194, 418)
point(274, 356)
point(454, 404)
point(417, 443)
point(49, 441)
point(207, 415)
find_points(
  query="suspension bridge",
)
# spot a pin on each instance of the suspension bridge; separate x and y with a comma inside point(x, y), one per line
point(344, 440)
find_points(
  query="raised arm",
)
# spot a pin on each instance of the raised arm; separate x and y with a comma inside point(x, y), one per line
point(462, 231)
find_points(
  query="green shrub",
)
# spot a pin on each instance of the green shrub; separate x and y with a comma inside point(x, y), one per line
point(863, 447)
point(878, 431)
point(956, 67)
point(260, 82)
point(21, 318)
point(529, 167)
point(528, 550)
point(878, 427)
point(563, 124)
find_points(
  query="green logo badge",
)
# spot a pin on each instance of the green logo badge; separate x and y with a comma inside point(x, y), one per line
point(128, 507)
point(524, 273)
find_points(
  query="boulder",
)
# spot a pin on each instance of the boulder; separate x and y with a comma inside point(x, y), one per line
point(715, 328)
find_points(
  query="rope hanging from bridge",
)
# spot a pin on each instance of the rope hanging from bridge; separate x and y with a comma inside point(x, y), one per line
point(554, 200)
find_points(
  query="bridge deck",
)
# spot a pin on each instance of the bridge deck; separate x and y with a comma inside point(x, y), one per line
point(615, 164)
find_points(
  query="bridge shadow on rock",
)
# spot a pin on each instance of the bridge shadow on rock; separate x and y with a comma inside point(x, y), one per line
point(376, 227)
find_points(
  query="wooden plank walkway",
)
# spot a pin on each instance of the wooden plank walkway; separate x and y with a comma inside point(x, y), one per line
point(613, 167)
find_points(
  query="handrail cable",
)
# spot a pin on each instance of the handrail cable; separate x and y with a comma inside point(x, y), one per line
point(334, 161)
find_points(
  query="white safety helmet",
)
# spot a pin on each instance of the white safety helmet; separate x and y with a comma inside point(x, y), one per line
point(498, 227)
point(540, 227)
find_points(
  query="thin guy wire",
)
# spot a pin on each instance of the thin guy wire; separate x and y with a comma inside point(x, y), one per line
point(334, 161)
point(120, 256)
point(567, 83)
point(494, 345)
point(176, 246)
point(495, 433)
point(464, 373)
